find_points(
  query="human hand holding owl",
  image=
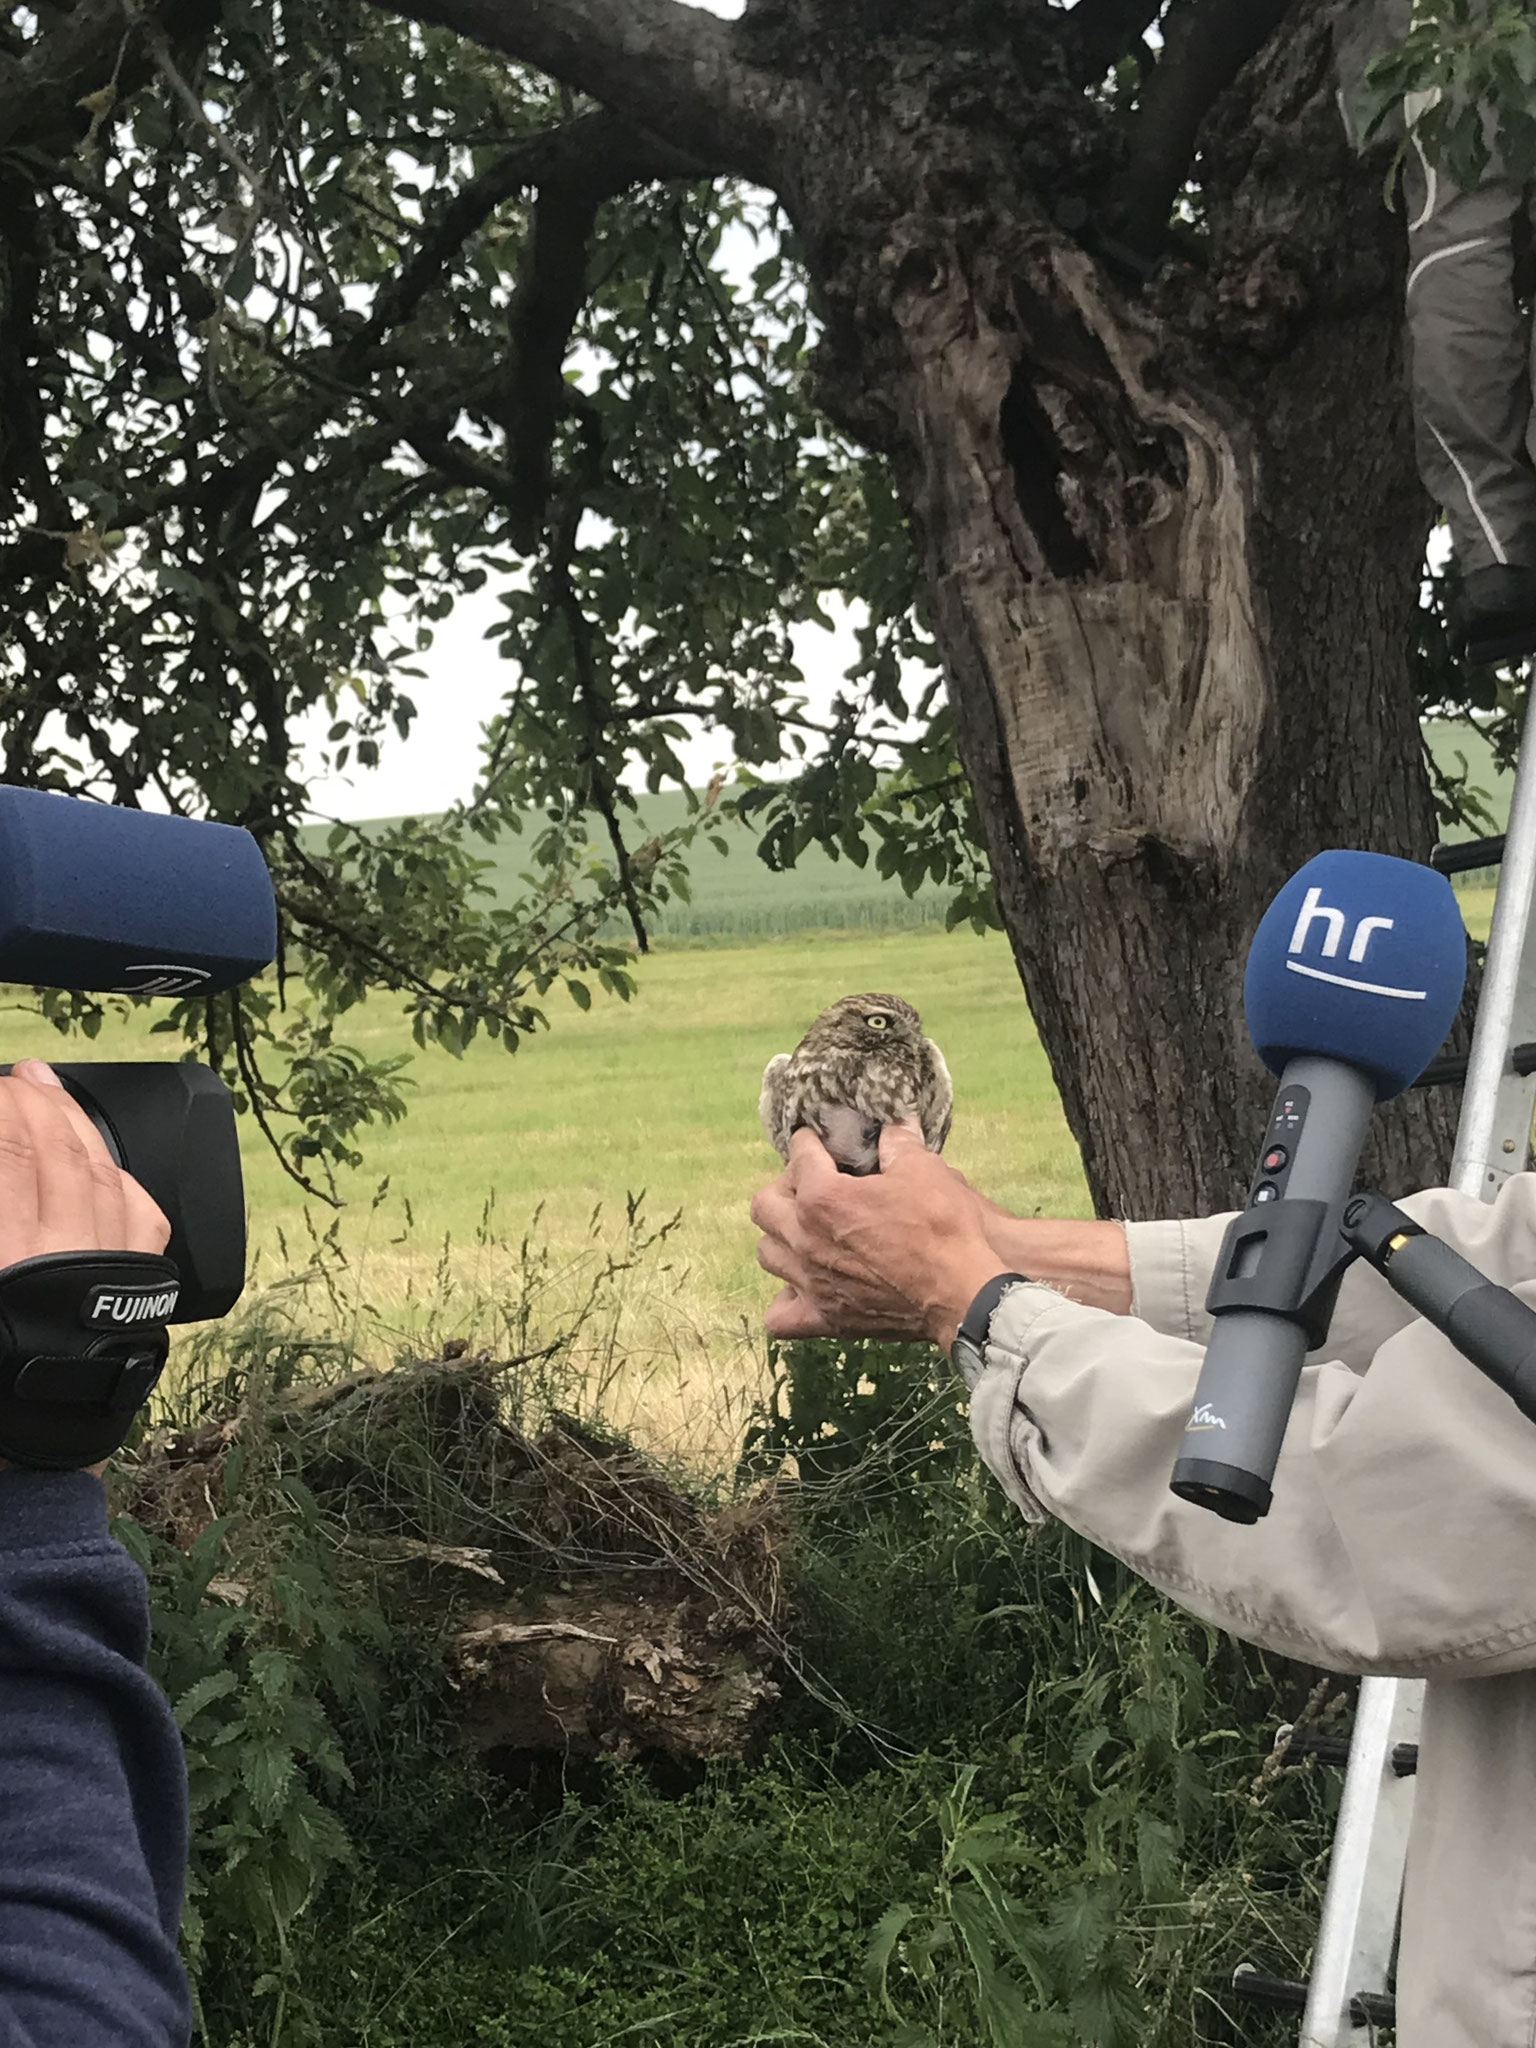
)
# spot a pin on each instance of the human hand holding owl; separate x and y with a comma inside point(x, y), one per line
point(898, 1253)
point(870, 1231)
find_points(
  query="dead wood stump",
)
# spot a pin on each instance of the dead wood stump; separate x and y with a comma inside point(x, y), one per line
point(636, 1619)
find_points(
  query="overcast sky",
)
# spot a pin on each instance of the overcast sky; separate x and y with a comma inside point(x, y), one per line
point(464, 683)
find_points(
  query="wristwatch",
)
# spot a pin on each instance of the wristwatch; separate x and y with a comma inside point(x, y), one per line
point(968, 1353)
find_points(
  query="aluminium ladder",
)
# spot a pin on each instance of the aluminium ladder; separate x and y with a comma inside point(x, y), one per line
point(1350, 1991)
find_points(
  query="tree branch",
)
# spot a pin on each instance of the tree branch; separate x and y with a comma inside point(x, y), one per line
point(40, 91)
point(672, 70)
point(1206, 43)
point(594, 703)
point(1098, 33)
point(263, 1098)
point(99, 47)
point(576, 168)
point(596, 151)
point(550, 293)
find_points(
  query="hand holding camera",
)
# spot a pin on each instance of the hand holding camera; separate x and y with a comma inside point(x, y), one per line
point(60, 1190)
point(121, 1200)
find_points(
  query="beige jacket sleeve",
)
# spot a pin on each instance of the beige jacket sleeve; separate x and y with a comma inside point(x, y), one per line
point(1402, 1538)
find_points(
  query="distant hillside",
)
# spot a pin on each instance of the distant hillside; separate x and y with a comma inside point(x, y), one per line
point(736, 896)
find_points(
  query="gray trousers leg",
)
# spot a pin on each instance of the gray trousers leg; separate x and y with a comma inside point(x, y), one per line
point(1472, 365)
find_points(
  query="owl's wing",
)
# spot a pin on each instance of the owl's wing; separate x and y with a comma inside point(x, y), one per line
point(936, 1110)
point(773, 1105)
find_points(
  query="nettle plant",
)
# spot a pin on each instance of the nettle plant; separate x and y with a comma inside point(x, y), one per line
point(256, 1669)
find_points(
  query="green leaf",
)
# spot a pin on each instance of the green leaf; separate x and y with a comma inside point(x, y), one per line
point(214, 1685)
point(1157, 1859)
point(892, 1924)
point(273, 1673)
point(267, 1771)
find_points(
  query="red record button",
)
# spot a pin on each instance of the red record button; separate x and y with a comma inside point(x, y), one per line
point(1276, 1158)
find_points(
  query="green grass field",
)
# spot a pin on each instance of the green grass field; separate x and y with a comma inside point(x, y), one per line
point(1463, 754)
point(736, 896)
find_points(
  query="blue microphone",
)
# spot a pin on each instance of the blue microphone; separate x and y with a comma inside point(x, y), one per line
point(1354, 978)
point(1360, 958)
point(93, 896)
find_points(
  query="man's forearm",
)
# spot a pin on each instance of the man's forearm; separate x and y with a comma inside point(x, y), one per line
point(1087, 1261)
point(93, 1802)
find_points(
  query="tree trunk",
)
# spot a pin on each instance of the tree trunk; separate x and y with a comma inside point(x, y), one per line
point(1173, 545)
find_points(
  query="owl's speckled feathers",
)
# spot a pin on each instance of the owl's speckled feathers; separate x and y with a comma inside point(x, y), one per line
point(863, 1063)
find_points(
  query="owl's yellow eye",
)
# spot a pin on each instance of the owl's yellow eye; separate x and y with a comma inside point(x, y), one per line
point(877, 1020)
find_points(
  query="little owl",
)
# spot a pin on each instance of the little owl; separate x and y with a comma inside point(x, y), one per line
point(862, 1064)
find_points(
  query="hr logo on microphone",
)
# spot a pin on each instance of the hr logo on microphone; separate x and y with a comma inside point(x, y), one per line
point(1313, 912)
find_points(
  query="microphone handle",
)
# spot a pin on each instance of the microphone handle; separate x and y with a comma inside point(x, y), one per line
point(1253, 1362)
point(1242, 1405)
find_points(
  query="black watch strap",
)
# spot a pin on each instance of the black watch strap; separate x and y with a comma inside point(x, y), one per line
point(977, 1320)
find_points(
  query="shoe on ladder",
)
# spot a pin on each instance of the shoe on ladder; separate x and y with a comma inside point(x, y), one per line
point(1493, 617)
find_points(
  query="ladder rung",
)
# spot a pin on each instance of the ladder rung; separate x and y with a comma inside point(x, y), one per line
point(1466, 854)
point(1366, 2008)
point(1373, 2009)
point(1452, 1070)
point(1328, 1749)
point(1334, 1749)
point(1288, 1993)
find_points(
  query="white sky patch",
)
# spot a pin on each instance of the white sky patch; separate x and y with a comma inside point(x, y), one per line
point(462, 687)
